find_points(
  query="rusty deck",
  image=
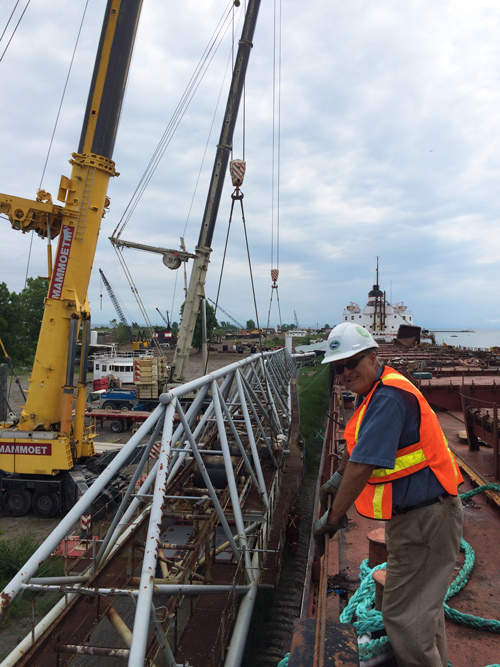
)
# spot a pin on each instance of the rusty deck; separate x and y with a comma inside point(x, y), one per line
point(467, 647)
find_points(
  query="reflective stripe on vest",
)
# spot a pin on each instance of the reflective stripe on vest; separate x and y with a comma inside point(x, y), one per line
point(408, 457)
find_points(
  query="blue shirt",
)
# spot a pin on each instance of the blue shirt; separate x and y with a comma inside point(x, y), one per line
point(391, 422)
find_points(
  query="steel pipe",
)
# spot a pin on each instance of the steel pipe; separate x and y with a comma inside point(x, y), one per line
point(233, 491)
point(126, 498)
point(211, 490)
point(53, 614)
point(253, 446)
point(13, 588)
point(92, 650)
point(242, 625)
point(145, 597)
point(239, 443)
point(157, 589)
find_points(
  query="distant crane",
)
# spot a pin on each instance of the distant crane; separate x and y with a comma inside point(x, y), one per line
point(296, 320)
point(240, 326)
point(167, 321)
point(116, 304)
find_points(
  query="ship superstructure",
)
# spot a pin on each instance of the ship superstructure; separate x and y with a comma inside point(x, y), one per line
point(381, 318)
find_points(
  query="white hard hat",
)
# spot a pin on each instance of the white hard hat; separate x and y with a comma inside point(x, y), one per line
point(346, 340)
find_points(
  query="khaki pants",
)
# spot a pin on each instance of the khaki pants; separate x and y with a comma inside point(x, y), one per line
point(423, 546)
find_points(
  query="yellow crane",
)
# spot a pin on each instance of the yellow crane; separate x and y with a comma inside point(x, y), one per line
point(49, 439)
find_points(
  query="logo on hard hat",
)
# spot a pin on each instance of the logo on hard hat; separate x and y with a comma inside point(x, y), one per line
point(334, 345)
point(363, 332)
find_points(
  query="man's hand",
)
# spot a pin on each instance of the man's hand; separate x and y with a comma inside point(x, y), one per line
point(329, 488)
point(322, 528)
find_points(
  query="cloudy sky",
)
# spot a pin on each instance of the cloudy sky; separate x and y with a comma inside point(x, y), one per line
point(390, 147)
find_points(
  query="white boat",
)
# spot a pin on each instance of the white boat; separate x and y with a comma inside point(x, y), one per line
point(120, 365)
point(379, 317)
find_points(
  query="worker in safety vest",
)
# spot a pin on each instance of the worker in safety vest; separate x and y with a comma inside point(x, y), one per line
point(397, 467)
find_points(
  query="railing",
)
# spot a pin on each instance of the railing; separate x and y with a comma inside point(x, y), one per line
point(249, 402)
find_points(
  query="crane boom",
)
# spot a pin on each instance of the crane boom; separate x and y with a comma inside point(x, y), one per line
point(49, 404)
point(114, 301)
point(196, 289)
point(240, 326)
point(163, 318)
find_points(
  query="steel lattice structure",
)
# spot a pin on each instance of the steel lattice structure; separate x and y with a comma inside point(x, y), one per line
point(241, 415)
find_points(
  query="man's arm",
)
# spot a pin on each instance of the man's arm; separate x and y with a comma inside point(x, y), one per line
point(354, 480)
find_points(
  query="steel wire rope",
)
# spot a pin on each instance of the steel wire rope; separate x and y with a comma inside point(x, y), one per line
point(239, 197)
point(202, 163)
point(138, 298)
point(478, 400)
point(8, 21)
point(127, 272)
point(277, 117)
point(57, 117)
point(63, 93)
point(175, 120)
point(155, 160)
point(15, 28)
point(243, 102)
point(276, 153)
point(311, 383)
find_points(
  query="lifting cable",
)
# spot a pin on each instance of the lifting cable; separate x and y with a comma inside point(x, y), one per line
point(276, 158)
point(229, 60)
point(176, 118)
point(15, 28)
point(237, 173)
point(140, 303)
point(167, 136)
point(63, 94)
point(42, 195)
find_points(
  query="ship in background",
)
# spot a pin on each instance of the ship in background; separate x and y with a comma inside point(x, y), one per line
point(381, 318)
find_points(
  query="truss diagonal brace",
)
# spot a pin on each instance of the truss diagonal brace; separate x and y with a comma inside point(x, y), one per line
point(208, 482)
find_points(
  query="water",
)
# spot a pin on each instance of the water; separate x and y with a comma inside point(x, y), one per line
point(478, 338)
point(482, 338)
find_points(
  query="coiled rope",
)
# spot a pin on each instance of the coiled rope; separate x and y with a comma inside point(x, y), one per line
point(362, 603)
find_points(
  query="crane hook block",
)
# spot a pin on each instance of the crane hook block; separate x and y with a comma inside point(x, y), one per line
point(237, 169)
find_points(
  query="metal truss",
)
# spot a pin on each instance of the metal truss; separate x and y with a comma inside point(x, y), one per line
point(240, 417)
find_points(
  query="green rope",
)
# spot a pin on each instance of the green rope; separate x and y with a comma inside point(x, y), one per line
point(362, 603)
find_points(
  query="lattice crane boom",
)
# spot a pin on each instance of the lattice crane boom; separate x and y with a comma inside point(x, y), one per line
point(115, 301)
point(238, 324)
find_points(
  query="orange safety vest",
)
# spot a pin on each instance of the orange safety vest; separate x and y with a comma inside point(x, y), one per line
point(375, 501)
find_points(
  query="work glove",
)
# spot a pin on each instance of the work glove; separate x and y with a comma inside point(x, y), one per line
point(322, 528)
point(329, 488)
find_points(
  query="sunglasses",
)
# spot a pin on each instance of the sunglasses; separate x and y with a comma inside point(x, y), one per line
point(351, 364)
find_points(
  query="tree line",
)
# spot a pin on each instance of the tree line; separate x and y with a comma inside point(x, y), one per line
point(20, 320)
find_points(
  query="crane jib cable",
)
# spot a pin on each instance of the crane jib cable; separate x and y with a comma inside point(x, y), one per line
point(15, 28)
point(139, 301)
point(276, 158)
point(176, 118)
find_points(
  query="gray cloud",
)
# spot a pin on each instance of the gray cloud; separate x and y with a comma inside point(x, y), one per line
point(389, 147)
